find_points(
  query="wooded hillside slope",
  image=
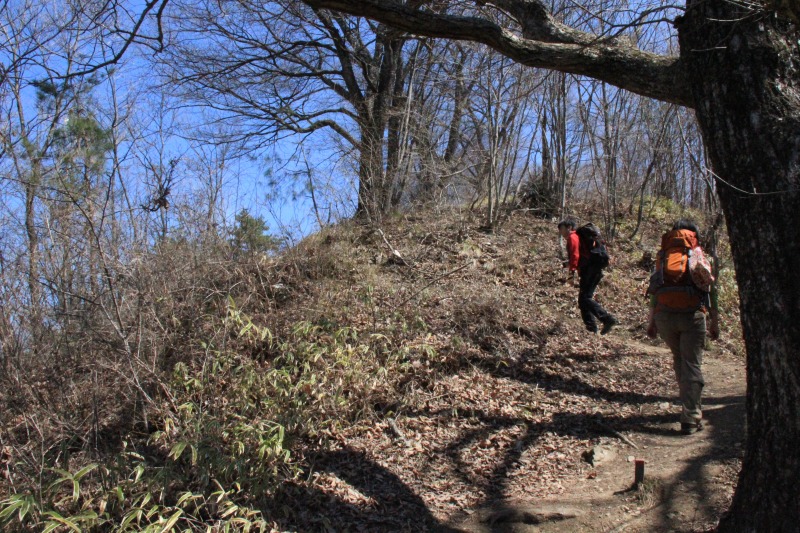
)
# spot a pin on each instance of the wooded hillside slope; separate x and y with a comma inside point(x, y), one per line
point(375, 378)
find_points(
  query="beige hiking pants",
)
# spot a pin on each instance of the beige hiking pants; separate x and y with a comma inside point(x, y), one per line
point(685, 334)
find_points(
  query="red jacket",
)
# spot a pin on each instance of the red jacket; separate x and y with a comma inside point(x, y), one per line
point(573, 250)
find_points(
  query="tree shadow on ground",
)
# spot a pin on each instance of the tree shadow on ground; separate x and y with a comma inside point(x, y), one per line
point(382, 501)
point(526, 370)
point(724, 431)
point(686, 503)
point(724, 419)
point(378, 501)
point(586, 426)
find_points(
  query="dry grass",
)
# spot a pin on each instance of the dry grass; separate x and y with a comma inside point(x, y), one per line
point(276, 361)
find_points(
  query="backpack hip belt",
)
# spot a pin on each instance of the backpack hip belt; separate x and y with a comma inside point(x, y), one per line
point(681, 298)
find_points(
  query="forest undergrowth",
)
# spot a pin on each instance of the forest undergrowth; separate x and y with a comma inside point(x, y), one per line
point(421, 366)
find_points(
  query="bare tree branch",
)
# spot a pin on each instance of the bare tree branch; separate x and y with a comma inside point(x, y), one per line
point(130, 36)
point(543, 43)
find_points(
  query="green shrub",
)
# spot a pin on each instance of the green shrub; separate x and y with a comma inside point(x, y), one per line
point(227, 433)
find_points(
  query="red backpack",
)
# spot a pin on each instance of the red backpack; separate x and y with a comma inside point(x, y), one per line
point(682, 277)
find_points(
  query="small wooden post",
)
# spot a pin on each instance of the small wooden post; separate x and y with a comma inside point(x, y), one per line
point(638, 472)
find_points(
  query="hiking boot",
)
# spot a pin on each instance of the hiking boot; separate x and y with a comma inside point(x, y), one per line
point(608, 324)
point(689, 428)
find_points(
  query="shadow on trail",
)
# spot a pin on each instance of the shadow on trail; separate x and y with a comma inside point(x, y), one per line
point(586, 426)
point(724, 433)
point(383, 503)
point(526, 370)
point(724, 436)
point(688, 501)
point(379, 500)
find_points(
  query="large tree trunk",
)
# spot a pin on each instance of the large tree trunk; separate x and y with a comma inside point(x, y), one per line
point(371, 182)
point(375, 187)
point(460, 101)
point(745, 75)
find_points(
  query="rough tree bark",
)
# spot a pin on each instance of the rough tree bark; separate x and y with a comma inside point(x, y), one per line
point(739, 68)
point(744, 70)
point(370, 170)
point(375, 107)
point(460, 99)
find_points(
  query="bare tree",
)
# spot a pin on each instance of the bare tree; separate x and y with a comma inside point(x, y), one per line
point(36, 104)
point(656, 118)
point(279, 68)
point(565, 135)
point(443, 83)
point(608, 116)
point(503, 126)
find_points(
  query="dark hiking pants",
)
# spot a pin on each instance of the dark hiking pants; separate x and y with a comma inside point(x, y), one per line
point(591, 310)
point(685, 334)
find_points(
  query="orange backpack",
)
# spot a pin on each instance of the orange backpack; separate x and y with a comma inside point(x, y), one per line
point(673, 282)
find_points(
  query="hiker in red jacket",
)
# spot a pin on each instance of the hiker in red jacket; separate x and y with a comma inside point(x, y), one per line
point(567, 230)
point(581, 259)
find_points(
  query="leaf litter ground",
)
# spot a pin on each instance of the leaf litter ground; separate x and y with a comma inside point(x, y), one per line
point(499, 418)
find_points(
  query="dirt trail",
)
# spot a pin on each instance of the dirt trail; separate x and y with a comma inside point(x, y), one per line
point(501, 391)
point(688, 479)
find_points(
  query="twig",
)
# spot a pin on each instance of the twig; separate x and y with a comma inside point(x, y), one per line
point(520, 330)
point(396, 257)
point(617, 434)
point(396, 431)
point(462, 267)
point(627, 524)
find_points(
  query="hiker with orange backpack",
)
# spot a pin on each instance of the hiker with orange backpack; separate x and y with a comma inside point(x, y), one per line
point(682, 295)
point(588, 255)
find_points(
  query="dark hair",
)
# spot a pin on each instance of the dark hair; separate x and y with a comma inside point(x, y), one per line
point(685, 223)
point(567, 223)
